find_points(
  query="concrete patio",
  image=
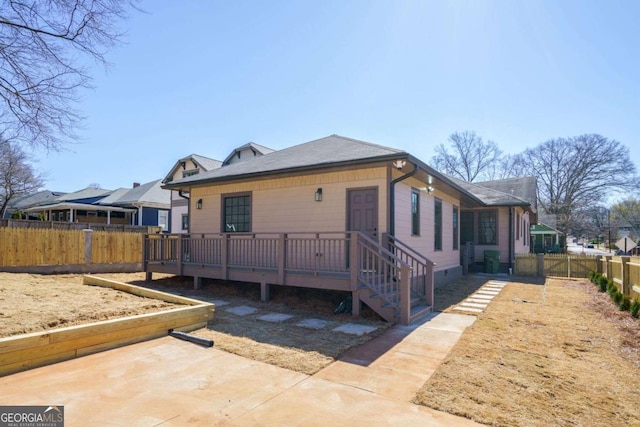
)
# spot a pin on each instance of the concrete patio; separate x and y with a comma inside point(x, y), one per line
point(170, 382)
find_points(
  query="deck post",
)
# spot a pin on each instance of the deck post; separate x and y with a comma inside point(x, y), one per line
point(224, 258)
point(265, 292)
point(197, 282)
point(405, 294)
point(181, 255)
point(353, 258)
point(148, 276)
point(355, 304)
point(282, 256)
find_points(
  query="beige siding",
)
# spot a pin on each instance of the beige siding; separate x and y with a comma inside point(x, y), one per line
point(288, 204)
point(424, 243)
point(176, 218)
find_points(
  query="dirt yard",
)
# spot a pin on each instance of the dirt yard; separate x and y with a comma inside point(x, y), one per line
point(548, 354)
point(33, 303)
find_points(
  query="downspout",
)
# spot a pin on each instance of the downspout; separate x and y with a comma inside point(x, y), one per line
point(511, 241)
point(392, 197)
point(180, 193)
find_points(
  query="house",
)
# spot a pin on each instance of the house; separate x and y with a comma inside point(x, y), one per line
point(187, 166)
point(17, 206)
point(146, 204)
point(195, 164)
point(503, 221)
point(546, 239)
point(333, 213)
point(151, 202)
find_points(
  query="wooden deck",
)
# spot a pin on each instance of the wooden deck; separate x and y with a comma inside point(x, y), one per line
point(393, 280)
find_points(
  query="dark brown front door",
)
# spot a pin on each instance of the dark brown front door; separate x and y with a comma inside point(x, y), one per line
point(363, 211)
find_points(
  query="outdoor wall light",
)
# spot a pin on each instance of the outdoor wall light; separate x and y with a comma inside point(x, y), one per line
point(199, 204)
point(319, 195)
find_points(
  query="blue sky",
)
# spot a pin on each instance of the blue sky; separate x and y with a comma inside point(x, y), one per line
point(207, 76)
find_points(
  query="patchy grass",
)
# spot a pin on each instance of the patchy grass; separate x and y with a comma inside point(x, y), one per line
point(281, 344)
point(558, 353)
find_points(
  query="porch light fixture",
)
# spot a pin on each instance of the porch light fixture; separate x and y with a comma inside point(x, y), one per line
point(319, 195)
point(199, 204)
point(428, 189)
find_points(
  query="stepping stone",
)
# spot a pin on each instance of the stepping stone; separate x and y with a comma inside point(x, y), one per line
point(219, 302)
point(489, 293)
point(478, 300)
point(497, 288)
point(469, 309)
point(275, 317)
point(312, 323)
point(242, 310)
point(485, 297)
point(495, 282)
point(474, 305)
point(354, 329)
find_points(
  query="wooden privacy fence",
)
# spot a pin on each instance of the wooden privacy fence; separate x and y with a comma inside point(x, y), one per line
point(625, 273)
point(563, 265)
point(63, 225)
point(76, 250)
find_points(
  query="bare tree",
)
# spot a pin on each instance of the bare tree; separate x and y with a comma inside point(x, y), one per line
point(626, 214)
point(42, 44)
point(575, 174)
point(17, 176)
point(470, 157)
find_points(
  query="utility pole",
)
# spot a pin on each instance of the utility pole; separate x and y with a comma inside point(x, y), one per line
point(609, 225)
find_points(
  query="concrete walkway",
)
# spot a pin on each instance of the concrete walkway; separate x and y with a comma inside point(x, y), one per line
point(170, 382)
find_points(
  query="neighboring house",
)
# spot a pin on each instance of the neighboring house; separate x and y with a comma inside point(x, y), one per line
point(185, 167)
point(546, 239)
point(503, 221)
point(151, 202)
point(334, 213)
point(195, 164)
point(146, 204)
point(17, 206)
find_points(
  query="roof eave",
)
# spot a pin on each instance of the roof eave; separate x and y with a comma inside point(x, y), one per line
point(309, 168)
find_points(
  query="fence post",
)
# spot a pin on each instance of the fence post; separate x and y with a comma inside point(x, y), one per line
point(540, 265)
point(607, 267)
point(625, 275)
point(598, 264)
point(87, 245)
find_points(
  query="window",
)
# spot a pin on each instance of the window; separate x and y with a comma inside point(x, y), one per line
point(455, 228)
point(163, 220)
point(190, 173)
point(437, 234)
point(415, 212)
point(185, 221)
point(487, 228)
point(236, 213)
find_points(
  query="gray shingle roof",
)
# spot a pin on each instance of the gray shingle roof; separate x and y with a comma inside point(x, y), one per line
point(253, 146)
point(205, 162)
point(85, 193)
point(504, 197)
point(324, 151)
point(150, 193)
point(39, 198)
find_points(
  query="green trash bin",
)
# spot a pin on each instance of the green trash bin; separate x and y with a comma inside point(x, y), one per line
point(492, 262)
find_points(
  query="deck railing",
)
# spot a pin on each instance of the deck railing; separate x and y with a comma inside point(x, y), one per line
point(422, 281)
point(392, 275)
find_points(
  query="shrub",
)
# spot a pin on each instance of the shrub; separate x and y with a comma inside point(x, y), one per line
point(625, 303)
point(592, 276)
point(634, 308)
point(602, 283)
point(617, 298)
point(612, 289)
